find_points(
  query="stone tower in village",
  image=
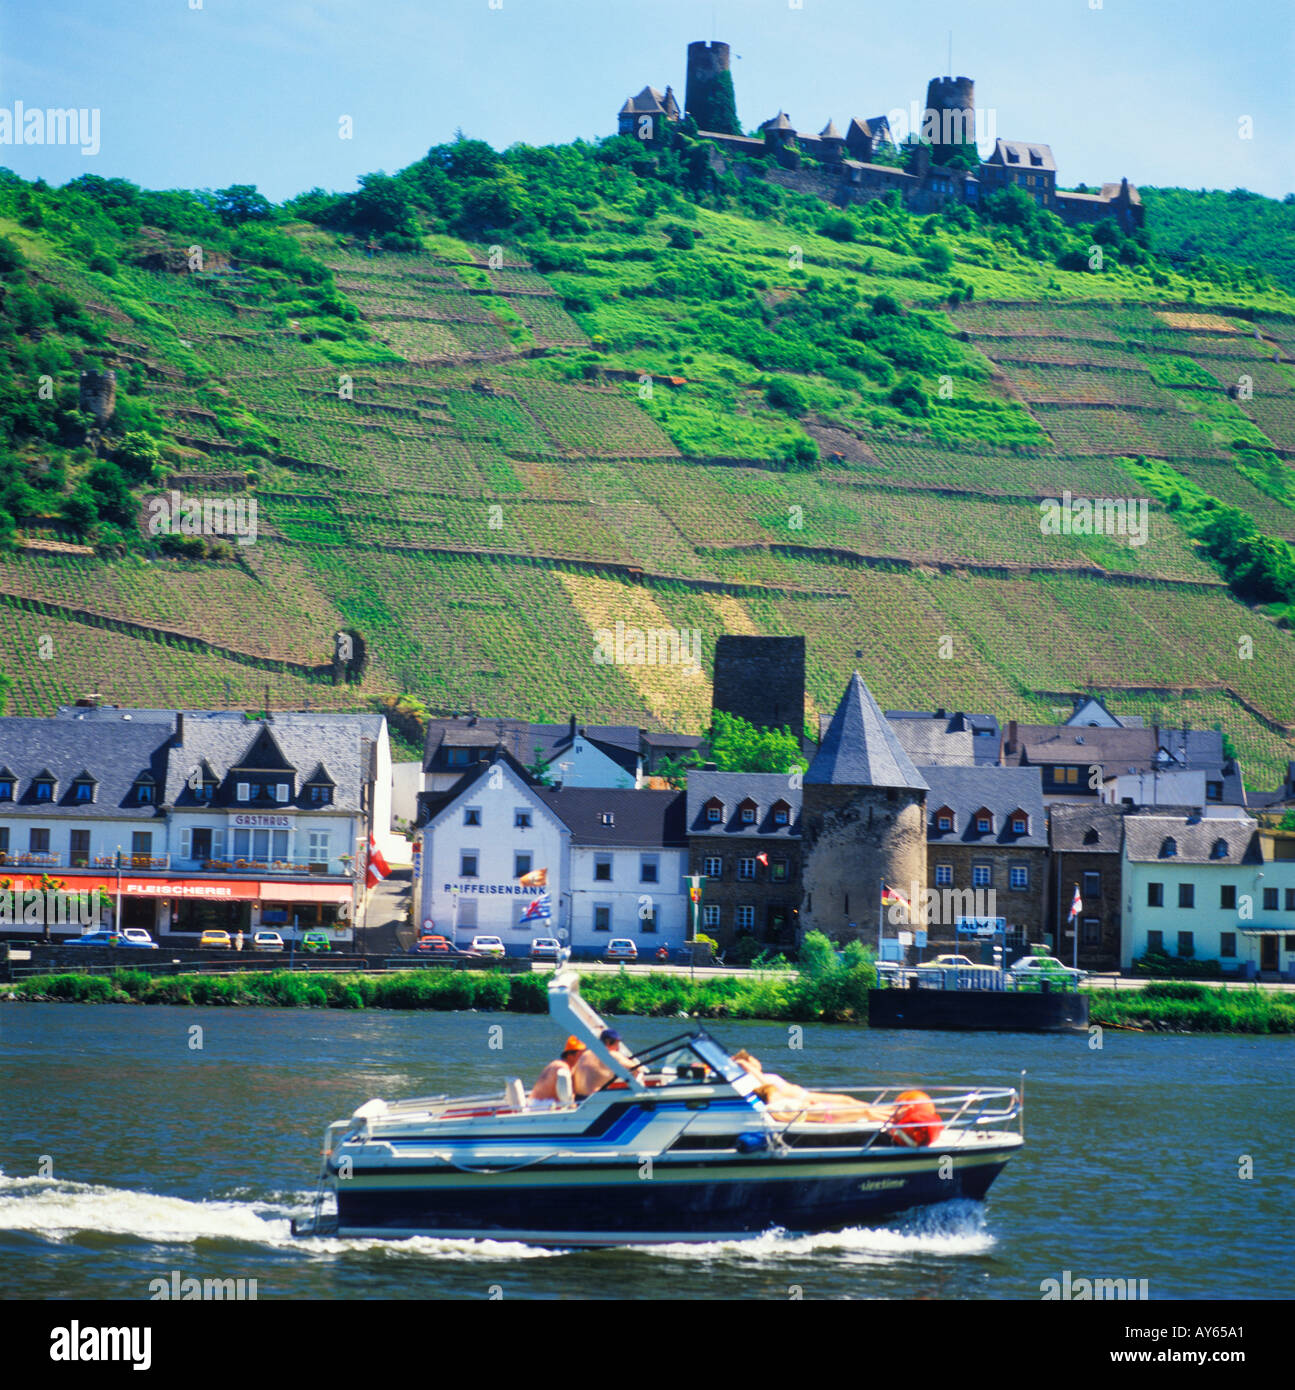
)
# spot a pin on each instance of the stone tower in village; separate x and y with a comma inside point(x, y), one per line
point(708, 97)
point(762, 680)
point(953, 102)
point(863, 821)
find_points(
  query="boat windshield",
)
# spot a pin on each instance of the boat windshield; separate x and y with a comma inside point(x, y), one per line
point(692, 1057)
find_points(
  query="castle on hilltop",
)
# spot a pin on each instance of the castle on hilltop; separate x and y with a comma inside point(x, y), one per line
point(946, 167)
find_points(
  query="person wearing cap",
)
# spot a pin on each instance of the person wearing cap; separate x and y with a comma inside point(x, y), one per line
point(591, 1074)
point(546, 1088)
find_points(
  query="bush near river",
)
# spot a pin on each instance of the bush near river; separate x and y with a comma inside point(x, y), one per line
point(831, 986)
point(1187, 1007)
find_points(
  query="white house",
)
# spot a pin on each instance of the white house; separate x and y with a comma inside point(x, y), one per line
point(615, 860)
point(479, 839)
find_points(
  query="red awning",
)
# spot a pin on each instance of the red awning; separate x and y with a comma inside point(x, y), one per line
point(306, 892)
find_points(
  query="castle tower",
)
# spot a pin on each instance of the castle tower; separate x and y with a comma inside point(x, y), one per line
point(98, 395)
point(863, 821)
point(708, 96)
point(762, 680)
point(949, 120)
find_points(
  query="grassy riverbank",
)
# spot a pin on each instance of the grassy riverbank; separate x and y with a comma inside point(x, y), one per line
point(834, 995)
point(828, 992)
point(1181, 1006)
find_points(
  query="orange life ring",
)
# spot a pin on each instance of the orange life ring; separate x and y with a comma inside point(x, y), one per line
point(916, 1121)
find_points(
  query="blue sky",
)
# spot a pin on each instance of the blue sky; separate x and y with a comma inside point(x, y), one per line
point(204, 93)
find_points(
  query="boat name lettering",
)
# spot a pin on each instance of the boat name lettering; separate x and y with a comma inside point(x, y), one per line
point(880, 1184)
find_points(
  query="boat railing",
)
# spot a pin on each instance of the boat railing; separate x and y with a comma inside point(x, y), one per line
point(957, 1108)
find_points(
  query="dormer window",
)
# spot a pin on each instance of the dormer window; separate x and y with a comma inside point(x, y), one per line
point(747, 810)
point(6, 790)
point(1019, 822)
point(83, 790)
point(281, 791)
point(1219, 850)
point(984, 821)
point(606, 818)
point(714, 812)
point(944, 818)
point(204, 791)
point(457, 757)
point(321, 795)
point(43, 787)
point(1169, 848)
point(781, 813)
point(143, 792)
point(243, 792)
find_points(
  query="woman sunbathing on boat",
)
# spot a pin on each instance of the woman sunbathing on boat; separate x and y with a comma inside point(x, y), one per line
point(788, 1101)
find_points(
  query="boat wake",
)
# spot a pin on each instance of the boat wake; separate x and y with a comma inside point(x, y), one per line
point(68, 1212)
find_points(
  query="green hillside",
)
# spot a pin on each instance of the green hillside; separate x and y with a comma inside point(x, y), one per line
point(497, 402)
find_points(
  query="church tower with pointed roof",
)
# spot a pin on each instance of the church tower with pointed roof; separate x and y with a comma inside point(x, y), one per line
point(863, 821)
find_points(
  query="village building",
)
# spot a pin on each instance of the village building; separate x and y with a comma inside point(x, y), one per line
point(1087, 854)
point(612, 861)
point(198, 820)
point(987, 833)
point(743, 833)
point(1209, 888)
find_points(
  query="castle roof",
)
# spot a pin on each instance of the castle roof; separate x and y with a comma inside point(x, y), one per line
point(1111, 191)
point(1023, 154)
point(779, 122)
point(649, 102)
point(860, 749)
point(829, 132)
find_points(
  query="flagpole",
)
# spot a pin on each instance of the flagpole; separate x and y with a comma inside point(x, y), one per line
point(1076, 931)
point(881, 911)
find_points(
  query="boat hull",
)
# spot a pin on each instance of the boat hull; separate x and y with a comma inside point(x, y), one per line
point(623, 1205)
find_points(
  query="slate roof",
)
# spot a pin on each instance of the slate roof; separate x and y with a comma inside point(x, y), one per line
point(304, 744)
point(1024, 154)
point(733, 788)
point(518, 737)
point(860, 749)
point(829, 131)
point(1080, 829)
point(66, 749)
point(779, 122)
point(1195, 838)
point(647, 103)
point(1000, 790)
point(646, 819)
point(625, 758)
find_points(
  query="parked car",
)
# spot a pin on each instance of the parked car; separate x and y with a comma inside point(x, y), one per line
point(1044, 968)
point(315, 941)
point(488, 946)
point(545, 948)
point(137, 936)
point(267, 941)
point(216, 938)
point(98, 938)
point(948, 963)
point(622, 948)
point(431, 946)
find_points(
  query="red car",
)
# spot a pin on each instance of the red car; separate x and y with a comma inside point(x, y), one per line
point(432, 946)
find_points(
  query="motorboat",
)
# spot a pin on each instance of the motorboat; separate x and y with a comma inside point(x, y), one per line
point(687, 1142)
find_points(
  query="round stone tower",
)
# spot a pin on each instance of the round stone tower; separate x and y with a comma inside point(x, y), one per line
point(98, 395)
point(863, 822)
point(708, 96)
point(950, 116)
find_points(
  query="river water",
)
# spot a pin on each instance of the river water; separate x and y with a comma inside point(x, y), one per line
point(132, 1146)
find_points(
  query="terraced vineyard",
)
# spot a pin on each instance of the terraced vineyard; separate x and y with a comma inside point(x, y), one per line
point(483, 482)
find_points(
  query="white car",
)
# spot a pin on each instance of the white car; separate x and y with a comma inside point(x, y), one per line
point(1045, 966)
point(267, 941)
point(949, 963)
point(139, 936)
point(487, 945)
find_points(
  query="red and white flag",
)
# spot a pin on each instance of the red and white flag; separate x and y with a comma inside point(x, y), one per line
point(762, 859)
point(378, 868)
point(1076, 906)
